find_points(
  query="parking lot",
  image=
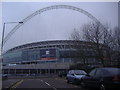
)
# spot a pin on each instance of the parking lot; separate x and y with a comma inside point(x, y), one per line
point(52, 83)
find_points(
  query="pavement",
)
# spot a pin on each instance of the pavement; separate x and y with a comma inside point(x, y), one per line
point(28, 76)
point(0, 83)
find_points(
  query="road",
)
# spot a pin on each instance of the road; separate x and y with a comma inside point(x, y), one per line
point(45, 83)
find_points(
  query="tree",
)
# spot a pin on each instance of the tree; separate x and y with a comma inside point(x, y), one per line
point(108, 41)
point(105, 42)
point(100, 36)
point(76, 36)
point(116, 37)
point(116, 45)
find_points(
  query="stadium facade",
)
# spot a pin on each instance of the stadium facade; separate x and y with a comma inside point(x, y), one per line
point(48, 57)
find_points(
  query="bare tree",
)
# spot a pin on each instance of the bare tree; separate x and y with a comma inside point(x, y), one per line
point(76, 36)
point(116, 45)
point(100, 36)
point(104, 41)
point(108, 41)
point(116, 36)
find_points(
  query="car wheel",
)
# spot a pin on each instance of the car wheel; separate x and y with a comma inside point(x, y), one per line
point(76, 81)
point(102, 87)
point(83, 84)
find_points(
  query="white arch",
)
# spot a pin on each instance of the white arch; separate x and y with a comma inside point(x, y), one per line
point(47, 9)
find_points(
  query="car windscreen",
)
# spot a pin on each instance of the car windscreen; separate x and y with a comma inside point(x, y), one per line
point(77, 72)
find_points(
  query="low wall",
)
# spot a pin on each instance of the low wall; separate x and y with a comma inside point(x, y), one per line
point(40, 66)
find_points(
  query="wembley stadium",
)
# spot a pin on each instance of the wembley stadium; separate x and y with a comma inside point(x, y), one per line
point(48, 57)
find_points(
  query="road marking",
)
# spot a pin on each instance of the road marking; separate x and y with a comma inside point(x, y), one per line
point(9, 86)
point(54, 88)
point(50, 85)
point(77, 87)
point(60, 79)
point(18, 83)
point(47, 84)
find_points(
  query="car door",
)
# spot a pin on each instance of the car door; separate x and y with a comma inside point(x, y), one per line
point(90, 78)
point(96, 78)
point(70, 76)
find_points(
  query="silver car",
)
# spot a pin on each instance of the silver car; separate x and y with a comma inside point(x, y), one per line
point(74, 76)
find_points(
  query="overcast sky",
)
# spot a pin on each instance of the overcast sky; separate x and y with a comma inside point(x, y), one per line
point(55, 24)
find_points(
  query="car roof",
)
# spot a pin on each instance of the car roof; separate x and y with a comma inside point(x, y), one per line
point(111, 69)
point(76, 70)
point(73, 71)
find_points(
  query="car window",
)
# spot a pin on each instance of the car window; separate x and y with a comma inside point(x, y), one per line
point(99, 72)
point(92, 73)
point(80, 72)
point(105, 73)
point(70, 72)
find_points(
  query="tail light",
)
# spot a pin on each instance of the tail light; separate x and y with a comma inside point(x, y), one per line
point(116, 78)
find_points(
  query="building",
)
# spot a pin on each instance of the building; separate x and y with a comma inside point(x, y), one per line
point(48, 57)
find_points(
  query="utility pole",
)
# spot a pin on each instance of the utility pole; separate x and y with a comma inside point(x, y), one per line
point(3, 33)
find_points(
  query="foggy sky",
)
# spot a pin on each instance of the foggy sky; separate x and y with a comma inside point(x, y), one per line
point(55, 24)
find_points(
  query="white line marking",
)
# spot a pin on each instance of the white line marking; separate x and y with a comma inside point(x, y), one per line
point(50, 85)
point(54, 88)
point(47, 84)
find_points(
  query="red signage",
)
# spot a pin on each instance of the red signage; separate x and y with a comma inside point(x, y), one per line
point(52, 58)
point(48, 54)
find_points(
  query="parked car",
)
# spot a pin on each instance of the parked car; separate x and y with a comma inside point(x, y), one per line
point(74, 76)
point(102, 78)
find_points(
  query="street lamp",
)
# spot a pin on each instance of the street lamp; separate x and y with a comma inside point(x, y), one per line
point(4, 33)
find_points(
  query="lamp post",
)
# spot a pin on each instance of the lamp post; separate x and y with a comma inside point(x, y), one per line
point(4, 33)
